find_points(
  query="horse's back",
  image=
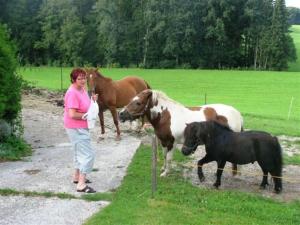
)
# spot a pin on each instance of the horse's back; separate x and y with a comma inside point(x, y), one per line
point(136, 82)
point(127, 88)
point(264, 146)
point(232, 115)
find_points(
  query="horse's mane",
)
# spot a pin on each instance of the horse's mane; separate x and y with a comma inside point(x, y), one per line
point(156, 95)
point(98, 73)
point(221, 126)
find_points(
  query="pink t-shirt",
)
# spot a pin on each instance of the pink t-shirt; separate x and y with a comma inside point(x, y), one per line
point(79, 100)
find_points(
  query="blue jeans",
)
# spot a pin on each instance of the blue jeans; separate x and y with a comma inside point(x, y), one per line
point(84, 154)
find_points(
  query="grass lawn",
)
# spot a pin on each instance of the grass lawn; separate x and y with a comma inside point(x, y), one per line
point(176, 201)
point(268, 100)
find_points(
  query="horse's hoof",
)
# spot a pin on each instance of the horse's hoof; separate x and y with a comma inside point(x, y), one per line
point(118, 138)
point(100, 139)
point(202, 179)
point(216, 185)
point(263, 186)
point(163, 174)
point(277, 190)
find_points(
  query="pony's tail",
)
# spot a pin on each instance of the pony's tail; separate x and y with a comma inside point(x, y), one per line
point(278, 155)
point(278, 166)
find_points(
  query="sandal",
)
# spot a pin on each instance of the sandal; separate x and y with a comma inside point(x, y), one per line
point(87, 181)
point(87, 189)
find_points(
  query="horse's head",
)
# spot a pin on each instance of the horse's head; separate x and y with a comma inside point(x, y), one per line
point(92, 74)
point(137, 107)
point(193, 136)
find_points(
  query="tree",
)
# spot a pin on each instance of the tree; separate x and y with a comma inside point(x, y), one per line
point(62, 32)
point(10, 92)
point(293, 15)
point(282, 48)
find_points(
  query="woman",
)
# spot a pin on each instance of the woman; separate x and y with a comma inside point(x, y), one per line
point(77, 103)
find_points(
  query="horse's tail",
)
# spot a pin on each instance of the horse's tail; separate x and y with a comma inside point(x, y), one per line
point(278, 166)
point(278, 155)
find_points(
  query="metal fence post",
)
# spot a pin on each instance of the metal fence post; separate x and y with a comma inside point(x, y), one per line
point(154, 163)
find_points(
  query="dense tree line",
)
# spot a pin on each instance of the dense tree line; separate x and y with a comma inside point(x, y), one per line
point(294, 15)
point(151, 33)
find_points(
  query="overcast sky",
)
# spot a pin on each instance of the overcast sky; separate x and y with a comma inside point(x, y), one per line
point(293, 3)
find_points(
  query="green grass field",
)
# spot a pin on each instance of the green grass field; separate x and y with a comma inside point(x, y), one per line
point(177, 202)
point(264, 98)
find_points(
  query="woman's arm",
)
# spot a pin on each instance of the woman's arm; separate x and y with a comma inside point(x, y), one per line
point(75, 115)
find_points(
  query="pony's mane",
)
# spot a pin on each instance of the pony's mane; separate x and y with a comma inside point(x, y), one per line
point(97, 72)
point(221, 126)
point(157, 95)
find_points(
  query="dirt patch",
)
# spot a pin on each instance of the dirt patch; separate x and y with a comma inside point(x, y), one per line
point(47, 107)
point(248, 181)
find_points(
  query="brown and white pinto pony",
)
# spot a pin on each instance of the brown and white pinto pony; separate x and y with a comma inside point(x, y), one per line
point(113, 94)
point(169, 118)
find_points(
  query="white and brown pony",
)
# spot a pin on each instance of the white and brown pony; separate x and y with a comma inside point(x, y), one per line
point(169, 118)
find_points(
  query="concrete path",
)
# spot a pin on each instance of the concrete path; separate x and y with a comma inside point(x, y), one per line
point(49, 169)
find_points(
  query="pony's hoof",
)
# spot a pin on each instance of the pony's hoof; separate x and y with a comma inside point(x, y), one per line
point(277, 190)
point(163, 174)
point(263, 186)
point(216, 185)
point(118, 138)
point(101, 138)
point(202, 179)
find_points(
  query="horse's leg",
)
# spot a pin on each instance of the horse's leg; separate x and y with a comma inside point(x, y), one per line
point(168, 156)
point(116, 121)
point(235, 170)
point(101, 118)
point(221, 165)
point(277, 181)
point(163, 168)
point(264, 181)
point(201, 162)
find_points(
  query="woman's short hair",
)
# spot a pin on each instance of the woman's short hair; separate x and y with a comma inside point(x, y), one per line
point(76, 73)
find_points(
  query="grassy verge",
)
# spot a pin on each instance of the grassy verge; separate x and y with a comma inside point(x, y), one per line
point(93, 197)
point(293, 160)
point(14, 148)
point(6, 192)
point(178, 202)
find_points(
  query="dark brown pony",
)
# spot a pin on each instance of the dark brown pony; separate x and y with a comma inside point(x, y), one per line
point(113, 94)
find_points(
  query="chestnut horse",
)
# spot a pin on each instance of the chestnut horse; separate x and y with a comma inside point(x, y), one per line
point(113, 94)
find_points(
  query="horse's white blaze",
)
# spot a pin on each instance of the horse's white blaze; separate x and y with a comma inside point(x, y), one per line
point(135, 98)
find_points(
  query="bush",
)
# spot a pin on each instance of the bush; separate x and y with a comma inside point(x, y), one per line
point(12, 146)
point(10, 82)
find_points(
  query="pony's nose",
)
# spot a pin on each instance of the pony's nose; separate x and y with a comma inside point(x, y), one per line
point(185, 150)
point(121, 115)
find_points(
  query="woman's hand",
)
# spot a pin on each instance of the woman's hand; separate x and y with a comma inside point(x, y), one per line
point(95, 97)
